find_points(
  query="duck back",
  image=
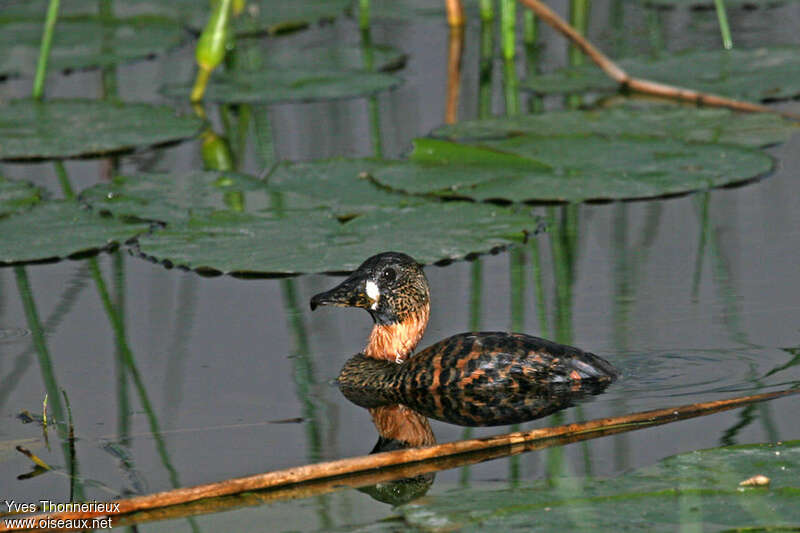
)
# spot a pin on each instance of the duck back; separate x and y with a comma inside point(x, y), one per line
point(478, 379)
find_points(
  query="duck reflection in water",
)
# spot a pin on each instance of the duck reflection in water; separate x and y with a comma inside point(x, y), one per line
point(471, 379)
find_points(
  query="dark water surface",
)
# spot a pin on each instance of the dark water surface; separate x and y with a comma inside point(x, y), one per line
point(694, 298)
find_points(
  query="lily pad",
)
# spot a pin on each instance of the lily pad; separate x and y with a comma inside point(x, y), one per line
point(277, 16)
point(261, 16)
point(16, 196)
point(58, 229)
point(698, 490)
point(314, 241)
point(375, 58)
point(706, 4)
point(71, 128)
point(685, 123)
point(84, 42)
point(342, 185)
point(411, 9)
point(761, 74)
point(291, 85)
point(570, 168)
point(169, 198)
point(339, 185)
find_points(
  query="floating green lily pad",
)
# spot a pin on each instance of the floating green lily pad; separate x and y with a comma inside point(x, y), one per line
point(84, 42)
point(374, 58)
point(277, 16)
point(758, 74)
point(411, 9)
point(709, 5)
point(314, 241)
point(698, 490)
point(260, 16)
point(71, 128)
point(16, 196)
point(570, 168)
point(169, 198)
point(684, 123)
point(294, 85)
point(342, 185)
point(58, 229)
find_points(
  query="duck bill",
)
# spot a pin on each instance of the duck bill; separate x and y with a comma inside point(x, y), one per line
point(349, 293)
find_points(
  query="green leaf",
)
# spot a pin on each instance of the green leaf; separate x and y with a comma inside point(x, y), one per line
point(684, 123)
point(71, 128)
point(340, 185)
point(343, 185)
point(698, 490)
point(84, 42)
point(54, 230)
point(759, 74)
point(336, 57)
point(169, 198)
point(17, 196)
point(582, 167)
point(260, 16)
point(709, 4)
point(292, 85)
point(314, 241)
point(276, 16)
point(411, 9)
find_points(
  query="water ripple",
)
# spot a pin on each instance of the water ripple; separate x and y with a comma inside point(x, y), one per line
point(669, 374)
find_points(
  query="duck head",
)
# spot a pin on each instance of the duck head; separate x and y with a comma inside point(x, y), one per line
point(394, 290)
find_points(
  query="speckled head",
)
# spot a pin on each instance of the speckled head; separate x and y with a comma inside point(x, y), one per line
point(391, 286)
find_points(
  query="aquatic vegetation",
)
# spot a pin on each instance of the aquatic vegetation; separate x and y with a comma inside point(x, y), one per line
point(73, 128)
point(760, 74)
point(152, 342)
point(59, 229)
point(86, 42)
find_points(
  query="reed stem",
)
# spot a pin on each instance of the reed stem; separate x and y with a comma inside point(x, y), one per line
point(44, 49)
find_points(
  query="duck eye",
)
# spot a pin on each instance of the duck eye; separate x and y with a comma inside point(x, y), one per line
point(388, 275)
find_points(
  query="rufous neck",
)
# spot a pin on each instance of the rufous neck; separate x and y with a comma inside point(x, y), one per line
point(395, 342)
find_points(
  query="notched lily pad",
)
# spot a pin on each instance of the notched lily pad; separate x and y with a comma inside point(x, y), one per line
point(85, 41)
point(314, 73)
point(72, 128)
point(290, 85)
point(570, 168)
point(17, 196)
point(698, 489)
point(684, 123)
point(412, 9)
point(260, 16)
point(343, 185)
point(314, 241)
point(58, 229)
point(761, 74)
point(169, 198)
point(340, 185)
point(709, 5)
point(375, 58)
point(278, 16)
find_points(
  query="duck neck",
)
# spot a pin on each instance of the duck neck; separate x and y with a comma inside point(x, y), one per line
point(396, 341)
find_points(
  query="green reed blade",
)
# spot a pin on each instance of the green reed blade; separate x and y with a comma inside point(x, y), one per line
point(725, 30)
point(44, 49)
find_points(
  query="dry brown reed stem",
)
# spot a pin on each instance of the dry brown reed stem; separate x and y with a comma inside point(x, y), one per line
point(455, 13)
point(615, 72)
point(454, 52)
point(308, 480)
